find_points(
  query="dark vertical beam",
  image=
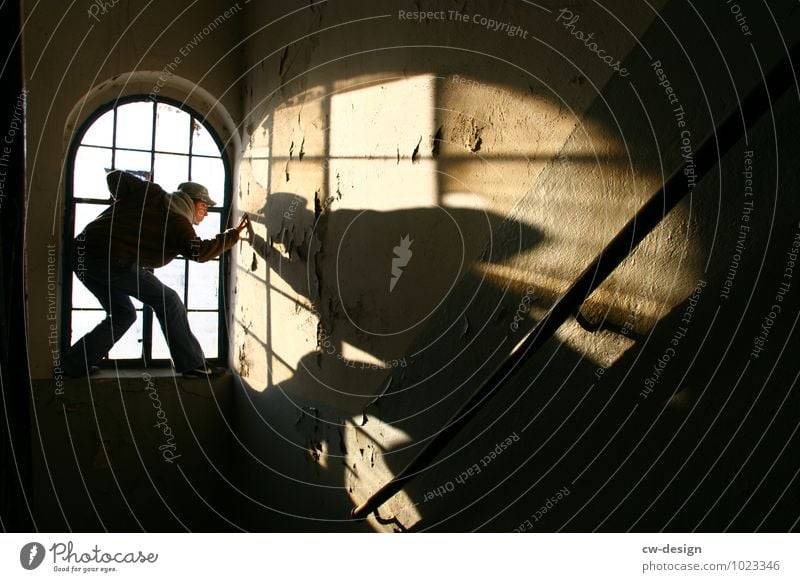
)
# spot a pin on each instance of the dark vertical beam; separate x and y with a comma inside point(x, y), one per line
point(15, 388)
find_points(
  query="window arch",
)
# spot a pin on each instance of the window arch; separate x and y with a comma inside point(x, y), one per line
point(164, 141)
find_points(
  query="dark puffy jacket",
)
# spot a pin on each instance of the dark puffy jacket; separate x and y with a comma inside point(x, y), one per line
point(138, 227)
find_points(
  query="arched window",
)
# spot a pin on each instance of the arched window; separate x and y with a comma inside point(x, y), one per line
point(166, 142)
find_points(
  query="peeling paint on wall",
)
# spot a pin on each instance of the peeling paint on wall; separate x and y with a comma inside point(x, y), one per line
point(437, 142)
point(415, 153)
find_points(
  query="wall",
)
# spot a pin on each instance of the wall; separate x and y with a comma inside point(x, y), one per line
point(136, 451)
point(509, 162)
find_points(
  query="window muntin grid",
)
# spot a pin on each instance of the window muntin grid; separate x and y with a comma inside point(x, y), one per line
point(169, 144)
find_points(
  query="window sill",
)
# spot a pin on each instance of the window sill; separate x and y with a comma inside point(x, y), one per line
point(140, 373)
point(142, 379)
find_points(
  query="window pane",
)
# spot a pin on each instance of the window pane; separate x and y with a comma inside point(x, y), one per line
point(135, 125)
point(202, 142)
point(210, 172)
point(203, 285)
point(209, 228)
point(89, 173)
point(170, 170)
point(204, 327)
point(172, 129)
point(173, 275)
point(130, 345)
point(85, 213)
point(81, 297)
point(83, 322)
point(133, 161)
point(101, 132)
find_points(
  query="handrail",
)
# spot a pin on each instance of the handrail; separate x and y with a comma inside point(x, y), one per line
point(728, 133)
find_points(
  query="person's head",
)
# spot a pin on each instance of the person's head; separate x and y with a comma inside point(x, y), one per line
point(200, 211)
point(199, 195)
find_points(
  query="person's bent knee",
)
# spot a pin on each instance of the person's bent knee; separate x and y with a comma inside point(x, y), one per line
point(167, 299)
point(172, 300)
point(170, 303)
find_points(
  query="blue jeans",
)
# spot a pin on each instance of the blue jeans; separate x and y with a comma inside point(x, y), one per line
point(114, 282)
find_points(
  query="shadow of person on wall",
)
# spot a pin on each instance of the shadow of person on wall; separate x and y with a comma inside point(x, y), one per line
point(373, 280)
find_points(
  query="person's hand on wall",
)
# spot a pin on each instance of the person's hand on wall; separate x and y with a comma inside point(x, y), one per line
point(244, 224)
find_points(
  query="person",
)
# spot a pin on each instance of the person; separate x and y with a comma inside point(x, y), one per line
point(144, 228)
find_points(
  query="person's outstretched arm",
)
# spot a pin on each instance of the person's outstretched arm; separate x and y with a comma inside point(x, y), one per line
point(201, 250)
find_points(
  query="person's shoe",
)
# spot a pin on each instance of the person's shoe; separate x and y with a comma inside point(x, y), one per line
point(82, 374)
point(204, 371)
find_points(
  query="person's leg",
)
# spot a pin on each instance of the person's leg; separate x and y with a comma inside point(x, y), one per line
point(98, 278)
point(171, 313)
